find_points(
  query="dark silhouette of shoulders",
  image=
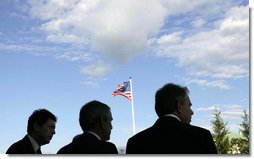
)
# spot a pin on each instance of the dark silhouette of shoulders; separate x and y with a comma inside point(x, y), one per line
point(23, 146)
point(170, 136)
point(88, 144)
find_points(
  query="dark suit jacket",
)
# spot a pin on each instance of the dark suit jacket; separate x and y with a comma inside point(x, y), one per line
point(88, 144)
point(23, 146)
point(170, 136)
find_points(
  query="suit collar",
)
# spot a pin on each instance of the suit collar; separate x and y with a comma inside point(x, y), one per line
point(97, 136)
point(173, 115)
point(168, 119)
point(86, 136)
point(34, 143)
point(27, 146)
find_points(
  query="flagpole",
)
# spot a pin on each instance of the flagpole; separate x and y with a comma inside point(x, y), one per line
point(132, 107)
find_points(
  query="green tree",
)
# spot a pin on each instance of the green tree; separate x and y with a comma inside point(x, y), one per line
point(245, 130)
point(235, 145)
point(241, 145)
point(220, 133)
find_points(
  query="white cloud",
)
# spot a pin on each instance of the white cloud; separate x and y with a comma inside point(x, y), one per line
point(221, 53)
point(95, 70)
point(233, 107)
point(118, 29)
point(50, 9)
point(205, 109)
point(91, 84)
point(170, 38)
point(230, 113)
point(65, 38)
point(198, 23)
point(181, 6)
point(39, 49)
point(214, 84)
point(28, 48)
point(72, 55)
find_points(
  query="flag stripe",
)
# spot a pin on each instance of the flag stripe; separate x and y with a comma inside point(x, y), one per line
point(127, 95)
point(123, 90)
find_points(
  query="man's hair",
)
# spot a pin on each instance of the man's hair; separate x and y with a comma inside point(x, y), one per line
point(89, 113)
point(167, 98)
point(40, 117)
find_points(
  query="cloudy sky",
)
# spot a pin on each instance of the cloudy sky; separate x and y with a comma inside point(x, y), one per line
point(60, 54)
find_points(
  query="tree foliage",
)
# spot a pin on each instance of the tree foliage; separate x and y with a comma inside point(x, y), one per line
point(241, 145)
point(220, 133)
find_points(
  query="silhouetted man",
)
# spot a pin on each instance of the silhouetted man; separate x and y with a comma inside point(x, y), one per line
point(172, 132)
point(40, 130)
point(95, 120)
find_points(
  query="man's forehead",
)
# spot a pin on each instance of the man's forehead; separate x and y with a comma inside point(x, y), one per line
point(110, 115)
point(51, 122)
point(188, 98)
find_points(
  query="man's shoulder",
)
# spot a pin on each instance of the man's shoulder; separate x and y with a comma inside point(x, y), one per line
point(107, 143)
point(20, 142)
point(89, 139)
point(180, 127)
point(14, 147)
point(108, 147)
point(67, 149)
point(143, 134)
point(83, 147)
point(197, 130)
point(20, 147)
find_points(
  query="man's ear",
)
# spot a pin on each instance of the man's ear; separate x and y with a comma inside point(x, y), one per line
point(36, 127)
point(179, 106)
point(101, 121)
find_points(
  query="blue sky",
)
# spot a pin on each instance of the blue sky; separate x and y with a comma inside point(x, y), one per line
point(60, 54)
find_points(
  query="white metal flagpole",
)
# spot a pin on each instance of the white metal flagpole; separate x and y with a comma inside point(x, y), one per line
point(132, 107)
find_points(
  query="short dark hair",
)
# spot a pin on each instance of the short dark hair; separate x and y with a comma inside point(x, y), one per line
point(89, 113)
point(167, 98)
point(40, 117)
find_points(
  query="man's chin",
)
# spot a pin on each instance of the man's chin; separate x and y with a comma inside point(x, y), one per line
point(46, 141)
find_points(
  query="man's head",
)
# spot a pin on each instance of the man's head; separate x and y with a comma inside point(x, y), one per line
point(96, 116)
point(41, 126)
point(173, 99)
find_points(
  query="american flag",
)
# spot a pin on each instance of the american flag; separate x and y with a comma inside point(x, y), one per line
point(123, 90)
